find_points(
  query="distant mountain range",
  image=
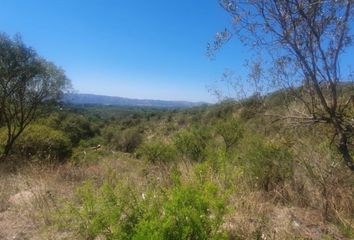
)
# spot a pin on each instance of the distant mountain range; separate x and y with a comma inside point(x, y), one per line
point(92, 99)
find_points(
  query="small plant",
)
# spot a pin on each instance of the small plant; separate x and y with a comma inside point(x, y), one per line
point(157, 152)
point(111, 211)
point(193, 143)
point(231, 132)
point(185, 211)
point(268, 164)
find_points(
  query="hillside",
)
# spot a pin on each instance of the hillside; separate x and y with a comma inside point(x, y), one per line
point(84, 99)
point(224, 171)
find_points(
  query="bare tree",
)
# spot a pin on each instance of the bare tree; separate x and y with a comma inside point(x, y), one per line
point(26, 82)
point(303, 41)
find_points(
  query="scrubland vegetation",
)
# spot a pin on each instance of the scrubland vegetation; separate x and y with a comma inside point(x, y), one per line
point(213, 172)
point(276, 165)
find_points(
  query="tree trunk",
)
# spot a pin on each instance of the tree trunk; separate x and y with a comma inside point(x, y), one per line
point(343, 149)
point(7, 148)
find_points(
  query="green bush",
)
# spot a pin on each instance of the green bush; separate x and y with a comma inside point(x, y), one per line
point(231, 132)
point(43, 142)
point(76, 127)
point(91, 142)
point(157, 152)
point(116, 211)
point(268, 164)
point(221, 110)
point(111, 211)
point(186, 212)
point(109, 133)
point(127, 140)
point(193, 143)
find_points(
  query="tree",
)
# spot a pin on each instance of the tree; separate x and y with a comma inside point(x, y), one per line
point(303, 41)
point(26, 82)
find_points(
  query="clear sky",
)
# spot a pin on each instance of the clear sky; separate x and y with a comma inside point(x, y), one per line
point(139, 49)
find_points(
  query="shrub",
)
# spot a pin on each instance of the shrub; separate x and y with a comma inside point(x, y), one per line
point(268, 164)
point(223, 110)
point(193, 143)
point(109, 133)
point(187, 212)
point(111, 211)
point(231, 132)
point(116, 211)
point(127, 140)
point(77, 127)
point(157, 152)
point(91, 142)
point(44, 143)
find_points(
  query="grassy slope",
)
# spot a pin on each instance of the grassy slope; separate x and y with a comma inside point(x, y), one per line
point(316, 202)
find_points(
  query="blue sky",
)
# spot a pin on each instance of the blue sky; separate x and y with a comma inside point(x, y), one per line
point(139, 49)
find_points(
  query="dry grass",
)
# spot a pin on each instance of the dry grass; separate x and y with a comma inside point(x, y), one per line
point(30, 197)
point(254, 219)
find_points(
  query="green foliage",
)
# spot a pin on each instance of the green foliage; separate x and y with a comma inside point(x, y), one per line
point(347, 230)
point(116, 211)
point(3, 138)
point(109, 132)
point(77, 127)
point(121, 138)
point(43, 143)
point(268, 164)
point(193, 143)
point(186, 212)
point(157, 152)
point(221, 110)
point(220, 163)
point(111, 211)
point(127, 140)
point(27, 82)
point(91, 142)
point(251, 106)
point(231, 131)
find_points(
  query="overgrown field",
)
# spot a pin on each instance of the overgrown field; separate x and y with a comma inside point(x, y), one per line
point(227, 171)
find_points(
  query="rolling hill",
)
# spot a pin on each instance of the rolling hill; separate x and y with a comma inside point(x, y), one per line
point(83, 99)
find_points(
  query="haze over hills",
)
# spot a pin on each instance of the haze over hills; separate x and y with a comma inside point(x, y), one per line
point(80, 98)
